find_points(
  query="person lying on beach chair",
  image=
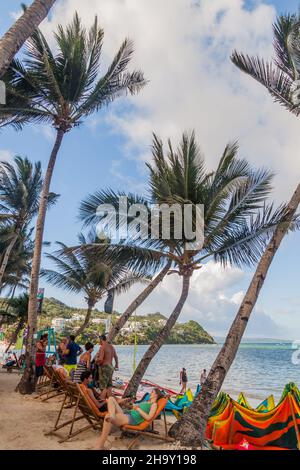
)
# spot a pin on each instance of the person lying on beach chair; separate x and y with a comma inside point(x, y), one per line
point(87, 382)
point(10, 363)
point(144, 411)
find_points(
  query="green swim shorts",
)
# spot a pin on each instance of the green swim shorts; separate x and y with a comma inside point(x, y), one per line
point(105, 376)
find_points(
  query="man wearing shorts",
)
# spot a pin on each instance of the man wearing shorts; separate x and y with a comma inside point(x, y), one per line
point(105, 357)
point(70, 354)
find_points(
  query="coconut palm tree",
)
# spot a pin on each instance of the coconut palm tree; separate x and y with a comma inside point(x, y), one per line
point(280, 79)
point(190, 429)
point(87, 271)
point(20, 189)
point(61, 88)
point(22, 29)
point(237, 222)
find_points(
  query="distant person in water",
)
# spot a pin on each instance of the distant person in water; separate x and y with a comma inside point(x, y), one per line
point(73, 350)
point(203, 377)
point(183, 381)
point(105, 357)
point(137, 415)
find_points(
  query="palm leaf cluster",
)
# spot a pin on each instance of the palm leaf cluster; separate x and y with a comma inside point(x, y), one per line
point(237, 220)
point(88, 270)
point(280, 75)
point(63, 87)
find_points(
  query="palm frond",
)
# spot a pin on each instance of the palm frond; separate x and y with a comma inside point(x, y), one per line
point(275, 80)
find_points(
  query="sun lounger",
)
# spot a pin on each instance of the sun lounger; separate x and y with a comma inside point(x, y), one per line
point(84, 409)
point(146, 428)
point(48, 386)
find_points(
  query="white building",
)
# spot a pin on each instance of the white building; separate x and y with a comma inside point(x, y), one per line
point(77, 317)
point(97, 321)
point(58, 324)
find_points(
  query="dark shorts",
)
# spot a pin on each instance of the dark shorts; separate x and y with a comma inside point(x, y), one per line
point(105, 376)
point(103, 408)
point(39, 371)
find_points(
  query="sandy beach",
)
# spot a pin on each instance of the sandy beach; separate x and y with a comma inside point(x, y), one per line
point(25, 420)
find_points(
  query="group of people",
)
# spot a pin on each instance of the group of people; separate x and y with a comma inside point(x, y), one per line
point(77, 361)
point(183, 379)
point(79, 367)
point(95, 375)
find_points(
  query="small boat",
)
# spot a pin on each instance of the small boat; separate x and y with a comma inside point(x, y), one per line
point(146, 386)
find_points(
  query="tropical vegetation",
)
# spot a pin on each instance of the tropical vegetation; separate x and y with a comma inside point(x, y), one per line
point(237, 219)
point(60, 88)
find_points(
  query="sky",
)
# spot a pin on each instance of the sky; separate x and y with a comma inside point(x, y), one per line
point(183, 48)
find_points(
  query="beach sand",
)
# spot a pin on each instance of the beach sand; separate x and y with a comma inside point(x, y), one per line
point(25, 420)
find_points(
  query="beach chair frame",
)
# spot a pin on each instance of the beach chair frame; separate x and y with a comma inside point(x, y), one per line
point(46, 385)
point(82, 406)
point(139, 433)
point(72, 395)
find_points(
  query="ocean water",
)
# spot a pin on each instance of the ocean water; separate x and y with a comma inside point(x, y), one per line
point(259, 369)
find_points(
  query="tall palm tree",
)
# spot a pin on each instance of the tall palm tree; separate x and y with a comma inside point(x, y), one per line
point(20, 189)
point(87, 271)
point(190, 429)
point(237, 222)
point(61, 89)
point(280, 79)
point(22, 29)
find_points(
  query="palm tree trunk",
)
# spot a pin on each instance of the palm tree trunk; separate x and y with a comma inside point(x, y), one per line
point(115, 330)
point(21, 30)
point(7, 255)
point(87, 319)
point(15, 334)
point(135, 380)
point(27, 382)
point(190, 429)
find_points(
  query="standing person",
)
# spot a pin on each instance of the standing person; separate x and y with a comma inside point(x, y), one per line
point(203, 377)
point(70, 356)
point(61, 350)
point(105, 357)
point(84, 363)
point(183, 381)
point(40, 358)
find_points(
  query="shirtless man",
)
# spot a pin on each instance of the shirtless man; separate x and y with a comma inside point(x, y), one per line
point(105, 357)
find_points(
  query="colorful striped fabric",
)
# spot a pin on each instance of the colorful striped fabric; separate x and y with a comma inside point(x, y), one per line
point(267, 427)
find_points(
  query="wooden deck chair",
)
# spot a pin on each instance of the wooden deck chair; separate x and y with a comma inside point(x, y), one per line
point(49, 386)
point(71, 399)
point(143, 428)
point(44, 382)
point(87, 409)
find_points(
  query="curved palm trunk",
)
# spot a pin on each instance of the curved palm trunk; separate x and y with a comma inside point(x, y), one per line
point(21, 30)
point(6, 257)
point(87, 319)
point(27, 382)
point(135, 380)
point(115, 330)
point(15, 334)
point(190, 429)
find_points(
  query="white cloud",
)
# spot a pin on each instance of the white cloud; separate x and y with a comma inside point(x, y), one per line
point(6, 155)
point(213, 301)
point(184, 49)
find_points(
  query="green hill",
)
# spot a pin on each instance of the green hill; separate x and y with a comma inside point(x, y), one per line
point(145, 327)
